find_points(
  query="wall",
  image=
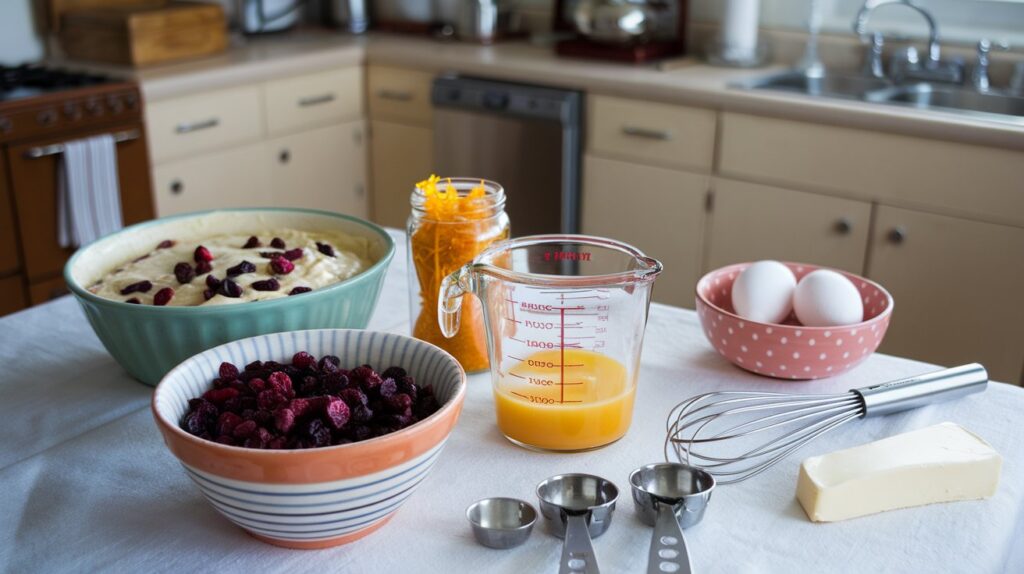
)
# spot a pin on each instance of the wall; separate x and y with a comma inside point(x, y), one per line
point(18, 39)
point(964, 21)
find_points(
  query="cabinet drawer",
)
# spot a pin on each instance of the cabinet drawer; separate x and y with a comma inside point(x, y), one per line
point(751, 222)
point(321, 169)
point(660, 211)
point(929, 173)
point(652, 133)
point(314, 100)
point(237, 177)
point(12, 295)
point(187, 126)
point(399, 94)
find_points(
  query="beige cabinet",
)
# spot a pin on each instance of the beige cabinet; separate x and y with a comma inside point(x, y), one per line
point(320, 169)
point(401, 139)
point(958, 286)
point(235, 177)
point(660, 211)
point(296, 141)
point(750, 222)
point(401, 155)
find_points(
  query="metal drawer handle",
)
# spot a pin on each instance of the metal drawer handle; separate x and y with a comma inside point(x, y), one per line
point(315, 100)
point(196, 126)
point(55, 149)
point(646, 133)
point(395, 95)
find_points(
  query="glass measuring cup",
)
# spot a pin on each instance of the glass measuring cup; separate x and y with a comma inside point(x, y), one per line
point(565, 318)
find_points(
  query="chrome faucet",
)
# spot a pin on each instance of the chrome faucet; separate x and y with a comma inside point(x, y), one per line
point(979, 75)
point(906, 65)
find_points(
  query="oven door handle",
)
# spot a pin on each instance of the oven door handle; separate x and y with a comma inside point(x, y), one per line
point(57, 149)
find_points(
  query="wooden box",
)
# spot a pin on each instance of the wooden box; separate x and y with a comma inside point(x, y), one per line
point(143, 35)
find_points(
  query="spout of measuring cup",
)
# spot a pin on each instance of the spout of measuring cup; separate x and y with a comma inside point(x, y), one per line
point(449, 299)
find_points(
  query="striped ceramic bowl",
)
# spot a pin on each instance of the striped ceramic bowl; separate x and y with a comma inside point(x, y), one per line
point(148, 341)
point(313, 498)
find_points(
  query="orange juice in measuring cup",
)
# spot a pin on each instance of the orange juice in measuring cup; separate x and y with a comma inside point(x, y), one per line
point(565, 316)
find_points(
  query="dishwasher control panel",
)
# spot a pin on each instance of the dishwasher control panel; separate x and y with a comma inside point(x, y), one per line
point(502, 97)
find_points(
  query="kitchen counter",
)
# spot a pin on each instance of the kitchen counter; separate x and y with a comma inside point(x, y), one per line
point(687, 82)
point(89, 486)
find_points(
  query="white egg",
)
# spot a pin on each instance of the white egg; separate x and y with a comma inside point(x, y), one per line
point(825, 298)
point(763, 292)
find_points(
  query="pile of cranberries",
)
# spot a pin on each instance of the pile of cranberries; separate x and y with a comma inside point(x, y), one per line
point(184, 271)
point(306, 404)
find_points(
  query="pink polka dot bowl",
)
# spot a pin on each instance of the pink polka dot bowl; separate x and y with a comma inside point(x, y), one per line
point(790, 350)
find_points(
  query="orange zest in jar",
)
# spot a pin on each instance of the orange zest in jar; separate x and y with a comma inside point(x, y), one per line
point(453, 221)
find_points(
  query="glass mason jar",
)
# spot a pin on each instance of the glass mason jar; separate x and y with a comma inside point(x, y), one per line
point(452, 221)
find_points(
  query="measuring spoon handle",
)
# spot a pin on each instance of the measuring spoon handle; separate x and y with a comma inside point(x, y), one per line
point(668, 545)
point(577, 550)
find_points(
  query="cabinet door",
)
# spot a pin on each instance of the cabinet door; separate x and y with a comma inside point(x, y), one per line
point(401, 155)
point(12, 295)
point(659, 211)
point(958, 287)
point(237, 177)
point(9, 258)
point(321, 169)
point(400, 94)
point(751, 222)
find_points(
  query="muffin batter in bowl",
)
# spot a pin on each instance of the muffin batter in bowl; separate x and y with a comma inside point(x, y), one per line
point(236, 268)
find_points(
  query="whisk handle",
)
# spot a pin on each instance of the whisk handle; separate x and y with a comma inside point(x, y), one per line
point(913, 392)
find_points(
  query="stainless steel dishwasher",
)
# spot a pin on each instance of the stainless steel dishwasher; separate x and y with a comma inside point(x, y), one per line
point(527, 138)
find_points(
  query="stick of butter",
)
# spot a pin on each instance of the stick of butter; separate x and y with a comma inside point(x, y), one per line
point(940, 463)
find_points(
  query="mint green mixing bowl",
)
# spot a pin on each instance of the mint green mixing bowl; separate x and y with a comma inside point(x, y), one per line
point(149, 341)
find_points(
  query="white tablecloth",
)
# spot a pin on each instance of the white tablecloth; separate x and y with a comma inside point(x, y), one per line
point(87, 485)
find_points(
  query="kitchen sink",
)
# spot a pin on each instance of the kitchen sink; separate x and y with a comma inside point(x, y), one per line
point(932, 96)
point(852, 86)
point(831, 85)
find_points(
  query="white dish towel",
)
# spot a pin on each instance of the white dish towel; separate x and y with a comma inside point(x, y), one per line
point(88, 194)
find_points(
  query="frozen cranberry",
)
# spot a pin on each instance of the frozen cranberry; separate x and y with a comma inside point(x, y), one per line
point(203, 267)
point(277, 443)
point(212, 282)
point(163, 296)
point(271, 254)
point(219, 396)
point(337, 413)
point(304, 360)
point(329, 363)
point(227, 371)
point(226, 440)
point(133, 301)
point(388, 388)
point(209, 294)
point(354, 397)
point(266, 285)
point(241, 269)
point(395, 373)
point(244, 429)
point(277, 243)
point(284, 420)
point(399, 403)
point(271, 399)
point(229, 288)
point(281, 266)
point(227, 423)
point(252, 243)
point(184, 273)
point(293, 254)
point(166, 244)
point(202, 254)
point(139, 287)
point(281, 381)
point(317, 434)
point(325, 249)
point(299, 290)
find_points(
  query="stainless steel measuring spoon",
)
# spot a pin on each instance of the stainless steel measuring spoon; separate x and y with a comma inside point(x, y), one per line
point(578, 507)
point(670, 497)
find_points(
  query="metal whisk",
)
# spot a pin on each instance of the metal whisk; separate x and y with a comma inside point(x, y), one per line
point(751, 431)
